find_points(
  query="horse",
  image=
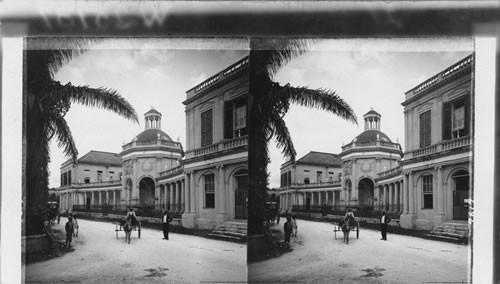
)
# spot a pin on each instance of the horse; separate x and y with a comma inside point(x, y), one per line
point(346, 228)
point(127, 228)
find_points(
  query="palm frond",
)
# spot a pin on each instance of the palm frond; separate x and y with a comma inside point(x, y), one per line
point(282, 136)
point(52, 54)
point(315, 98)
point(64, 137)
point(276, 53)
point(104, 98)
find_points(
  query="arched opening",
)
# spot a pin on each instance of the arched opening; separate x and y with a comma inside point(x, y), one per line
point(147, 192)
point(241, 194)
point(461, 192)
point(365, 193)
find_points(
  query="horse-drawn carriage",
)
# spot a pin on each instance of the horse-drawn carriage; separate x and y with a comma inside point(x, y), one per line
point(128, 225)
point(345, 226)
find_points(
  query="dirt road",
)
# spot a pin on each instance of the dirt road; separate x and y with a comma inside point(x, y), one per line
point(101, 258)
point(318, 258)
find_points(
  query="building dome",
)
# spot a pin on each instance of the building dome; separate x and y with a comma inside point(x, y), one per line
point(152, 135)
point(372, 132)
point(152, 132)
point(370, 136)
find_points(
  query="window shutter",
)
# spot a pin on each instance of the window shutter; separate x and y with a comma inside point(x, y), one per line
point(206, 128)
point(446, 121)
point(422, 130)
point(467, 116)
point(228, 120)
point(209, 127)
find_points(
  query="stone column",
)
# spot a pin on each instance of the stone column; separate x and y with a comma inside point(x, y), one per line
point(177, 195)
point(333, 199)
point(193, 194)
point(187, 194)
point(405, 194)
point(383, 197)
point(411, 193)
point(389, 188)
point(319, 198)
point(183, 195)
point(440, 216)
point(171, 201)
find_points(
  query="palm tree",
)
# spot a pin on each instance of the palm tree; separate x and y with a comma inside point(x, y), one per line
point(46, 102)
point(268, 103)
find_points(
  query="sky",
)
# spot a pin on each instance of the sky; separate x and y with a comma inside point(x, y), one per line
point(148, 73)
point(366, 73)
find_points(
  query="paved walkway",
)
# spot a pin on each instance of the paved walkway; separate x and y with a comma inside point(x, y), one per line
point(101, 258)
point(318, 258)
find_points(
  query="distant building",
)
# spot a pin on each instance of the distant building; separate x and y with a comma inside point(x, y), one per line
point(425, 186)
point(205, 185)
point(370, 153)
point(311, 181)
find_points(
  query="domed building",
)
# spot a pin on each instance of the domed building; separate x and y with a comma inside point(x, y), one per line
point(152, 151)
point(367, 155)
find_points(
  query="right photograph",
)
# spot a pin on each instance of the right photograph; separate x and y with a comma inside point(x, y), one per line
point(360, 160)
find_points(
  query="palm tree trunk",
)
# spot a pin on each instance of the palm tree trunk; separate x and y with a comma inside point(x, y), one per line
point(257, 150)
point(36, 159)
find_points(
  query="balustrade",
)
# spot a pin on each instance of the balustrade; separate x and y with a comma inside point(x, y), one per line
point(439, 147)
point(218, 147)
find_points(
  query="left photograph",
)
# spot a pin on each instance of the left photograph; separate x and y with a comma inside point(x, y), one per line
point(135, 160)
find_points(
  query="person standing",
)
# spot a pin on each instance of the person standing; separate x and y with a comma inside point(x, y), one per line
point(294, 226)
point(166, 224)
point(69, 231)
point(75, 225)
point(131, 216)
point(384, 220)
point(288, 230)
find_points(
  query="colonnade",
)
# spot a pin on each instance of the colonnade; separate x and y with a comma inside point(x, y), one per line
point(172, 196)
point(317, 198)
point(390, 196)
point(97, 198)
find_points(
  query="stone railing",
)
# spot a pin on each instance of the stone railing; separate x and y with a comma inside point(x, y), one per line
point(220, 76)
point(172, 171)
point(148, 144)
point(311, 185)
point(391, 172)
point(224, 145)
point(439, 147)
point(450, 71)
point(92, 184)
point(353, 145)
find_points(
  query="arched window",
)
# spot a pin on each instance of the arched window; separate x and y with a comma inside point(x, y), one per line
point(209, 191)
point(427, 192)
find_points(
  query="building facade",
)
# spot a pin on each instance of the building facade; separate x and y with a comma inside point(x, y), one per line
point(216, 161)
point(430, 182)
point(439, 136)
point(205, 185)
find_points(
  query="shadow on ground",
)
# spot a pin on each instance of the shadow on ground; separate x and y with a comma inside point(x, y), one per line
point(278, 248)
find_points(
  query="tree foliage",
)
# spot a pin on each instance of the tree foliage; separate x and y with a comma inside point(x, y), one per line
point(46, 102)
point(268, 103)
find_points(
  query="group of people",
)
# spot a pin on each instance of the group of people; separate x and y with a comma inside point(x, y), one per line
point(290, 226)
point(166, 219)
point(71, 228)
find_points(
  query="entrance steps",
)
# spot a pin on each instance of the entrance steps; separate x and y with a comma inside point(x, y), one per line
point(235, 231)
point(451, 231)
